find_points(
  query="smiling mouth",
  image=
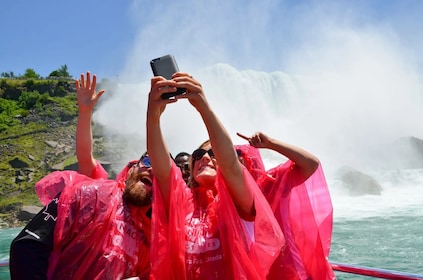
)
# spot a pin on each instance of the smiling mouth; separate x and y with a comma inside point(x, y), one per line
point(204, 167)
point(146, 181)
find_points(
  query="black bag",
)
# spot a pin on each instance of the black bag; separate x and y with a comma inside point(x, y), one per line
point(30, 250)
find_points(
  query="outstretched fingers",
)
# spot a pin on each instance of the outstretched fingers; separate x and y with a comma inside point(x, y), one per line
point(88, 83)
point(94, 82)
point(82, 80)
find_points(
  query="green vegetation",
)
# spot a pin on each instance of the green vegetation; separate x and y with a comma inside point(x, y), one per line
point(37, 134)
point(61, 73)
point(33, 111)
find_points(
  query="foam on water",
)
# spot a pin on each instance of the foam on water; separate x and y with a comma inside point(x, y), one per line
point(402, 195)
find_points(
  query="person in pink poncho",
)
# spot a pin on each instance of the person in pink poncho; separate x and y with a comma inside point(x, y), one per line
point(218, 227)
point(101, 227)
point(298, 194)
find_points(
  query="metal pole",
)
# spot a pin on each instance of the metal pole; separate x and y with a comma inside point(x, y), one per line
point(374, 272)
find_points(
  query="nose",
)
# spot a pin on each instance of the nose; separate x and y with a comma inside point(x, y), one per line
point(206, 157)
point(142, 169)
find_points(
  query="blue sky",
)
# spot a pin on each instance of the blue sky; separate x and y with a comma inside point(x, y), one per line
point(114, 38)
point(45, 35)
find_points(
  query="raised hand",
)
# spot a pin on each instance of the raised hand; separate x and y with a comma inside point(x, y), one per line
point(86, 92)
point(194, 90)
point(156, 104)
point(257, 140)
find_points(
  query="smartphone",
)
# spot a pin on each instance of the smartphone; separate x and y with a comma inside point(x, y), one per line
point(166, 66)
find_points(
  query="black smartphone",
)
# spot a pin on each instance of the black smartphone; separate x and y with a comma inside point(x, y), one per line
point(166, 66)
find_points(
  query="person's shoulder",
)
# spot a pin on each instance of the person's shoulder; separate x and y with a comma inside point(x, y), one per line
point(95, 198)
point(92, 188)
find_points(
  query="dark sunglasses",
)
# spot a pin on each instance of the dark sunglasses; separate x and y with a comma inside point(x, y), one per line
point(199, 153)
point(183, 166)
point(144, 159)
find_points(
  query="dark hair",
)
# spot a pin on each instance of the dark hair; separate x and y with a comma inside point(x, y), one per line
point(182, 154)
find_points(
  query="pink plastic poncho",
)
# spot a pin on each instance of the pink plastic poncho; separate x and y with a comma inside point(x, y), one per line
point(304, 211)
point(212, 242)
point(96, 236)
point(49, 186)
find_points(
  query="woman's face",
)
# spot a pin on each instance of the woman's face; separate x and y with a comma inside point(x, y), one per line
point(204, 169)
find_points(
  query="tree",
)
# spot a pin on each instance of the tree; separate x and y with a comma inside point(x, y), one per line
point(31, 74)
point(62, 72)
point(7, 74)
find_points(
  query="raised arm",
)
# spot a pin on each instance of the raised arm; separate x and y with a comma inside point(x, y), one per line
point(304, 161)
point(156, 146)
point(87, 98)
point(221, 143)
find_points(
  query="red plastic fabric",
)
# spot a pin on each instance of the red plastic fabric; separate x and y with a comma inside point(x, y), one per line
point(96, 236)
point(204, 238)
point(99, 172)
point(304, 211)
point(49, 186)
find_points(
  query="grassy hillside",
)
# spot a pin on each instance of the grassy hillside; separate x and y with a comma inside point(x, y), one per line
point(37, 135)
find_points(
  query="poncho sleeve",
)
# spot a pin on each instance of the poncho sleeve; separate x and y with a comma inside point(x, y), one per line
point(167, 252)
point(52, 184)
point(254, 261)
point(304, 211)
point(99, 172)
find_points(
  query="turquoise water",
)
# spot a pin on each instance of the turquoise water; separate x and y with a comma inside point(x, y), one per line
point(393, 243)
point(6, 236)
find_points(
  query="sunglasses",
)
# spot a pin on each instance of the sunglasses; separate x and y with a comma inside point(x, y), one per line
point(199, 153)
point(144, 160)
point(183, 166)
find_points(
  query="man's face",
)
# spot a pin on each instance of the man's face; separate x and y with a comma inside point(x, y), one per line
point(183, 163)
point(138, 190)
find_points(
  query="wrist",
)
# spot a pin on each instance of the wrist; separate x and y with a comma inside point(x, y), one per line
point(271, 144)
point(153, 119)
point(85, 112)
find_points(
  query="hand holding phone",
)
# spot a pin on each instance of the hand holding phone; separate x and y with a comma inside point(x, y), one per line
point(166, 66)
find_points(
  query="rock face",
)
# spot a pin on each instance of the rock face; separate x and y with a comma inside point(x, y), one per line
point(406, 152)
point(17, 163)
point(359, 183)
point(403, 153)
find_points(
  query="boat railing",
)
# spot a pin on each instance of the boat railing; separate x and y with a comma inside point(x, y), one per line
point(349, 268)
point(374, 272)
